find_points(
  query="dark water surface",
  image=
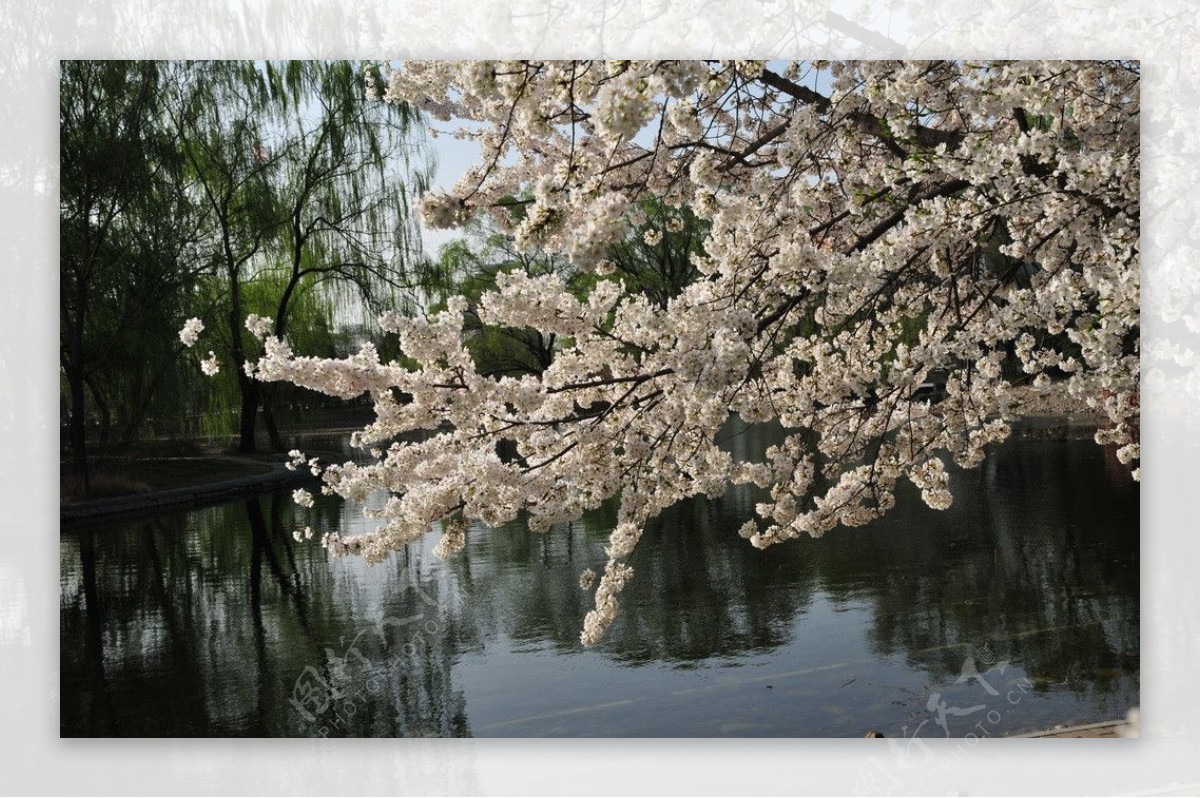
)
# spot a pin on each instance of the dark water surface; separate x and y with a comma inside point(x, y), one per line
point(1015, 610)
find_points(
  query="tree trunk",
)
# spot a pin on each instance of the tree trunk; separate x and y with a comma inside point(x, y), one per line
point(246, 442)
point(78, 424)
point(247, 386)
point(78, 430)
point(105, 416)
point(273, 436)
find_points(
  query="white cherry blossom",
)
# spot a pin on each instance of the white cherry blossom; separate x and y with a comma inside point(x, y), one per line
point(894, 251)
point(210, 366)
point(191, 332)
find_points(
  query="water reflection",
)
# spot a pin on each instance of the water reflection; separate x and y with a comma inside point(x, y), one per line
point(216, 622)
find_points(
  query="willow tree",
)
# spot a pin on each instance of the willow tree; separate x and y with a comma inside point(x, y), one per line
point(305, 183)
point(871, 223)
point(123, 237)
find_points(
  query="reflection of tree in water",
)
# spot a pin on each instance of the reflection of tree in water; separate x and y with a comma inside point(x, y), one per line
point(420, 657)
point(141, 639)
point(1028, 561)
point(399, 627)
point(393, 675)
point(91, 659)
point(700, 591)
point(1032, 561)
point(198, 625)
point(523, 585)
point(202, 623)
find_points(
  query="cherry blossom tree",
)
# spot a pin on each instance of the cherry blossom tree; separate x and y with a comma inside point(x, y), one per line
point(868, 225)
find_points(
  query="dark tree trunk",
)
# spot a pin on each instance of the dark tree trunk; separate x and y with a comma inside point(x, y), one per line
point(247, 386)
point(135, 412)
point(78, 423)
point(136, 415)
point(105, 415)
point(246, 441)
point(276, 441)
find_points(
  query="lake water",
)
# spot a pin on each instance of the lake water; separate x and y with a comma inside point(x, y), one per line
point(1015, 610)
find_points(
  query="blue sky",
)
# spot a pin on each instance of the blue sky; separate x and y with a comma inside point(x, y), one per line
point(453, 157)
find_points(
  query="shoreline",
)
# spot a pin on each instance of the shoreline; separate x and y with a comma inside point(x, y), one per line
point(137, 505)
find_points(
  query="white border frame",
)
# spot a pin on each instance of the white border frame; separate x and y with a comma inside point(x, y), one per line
point(1163, 35)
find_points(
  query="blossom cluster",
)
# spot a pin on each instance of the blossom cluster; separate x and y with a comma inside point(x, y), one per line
point(963, 225)
point(191, 332)
point(210, 366)
point(259, 326)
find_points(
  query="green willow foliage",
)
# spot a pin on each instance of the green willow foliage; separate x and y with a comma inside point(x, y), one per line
point(215, 190)
point(126, 243)
point(304, 185)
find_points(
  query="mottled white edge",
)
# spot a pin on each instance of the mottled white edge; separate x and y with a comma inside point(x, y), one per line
point(1164, 35)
